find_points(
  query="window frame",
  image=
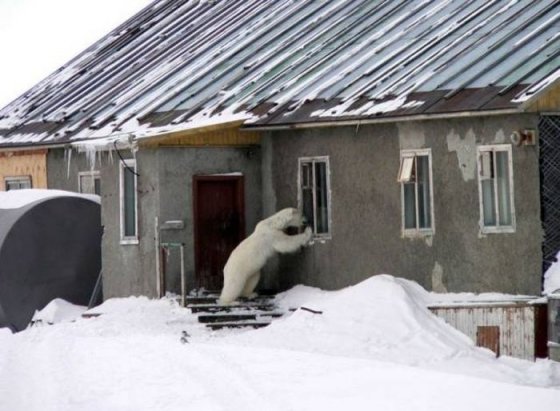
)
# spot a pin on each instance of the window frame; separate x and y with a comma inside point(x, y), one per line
point(123, 165)
point(497, 229)
point(313, 160)
point(416, 232)
point(94, 174)
point(26, 178)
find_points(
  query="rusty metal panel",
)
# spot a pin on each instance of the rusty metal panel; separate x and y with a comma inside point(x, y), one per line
point(179, 61)
point(488, 336)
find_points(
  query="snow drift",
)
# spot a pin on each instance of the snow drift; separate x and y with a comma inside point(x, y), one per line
point(375, 346)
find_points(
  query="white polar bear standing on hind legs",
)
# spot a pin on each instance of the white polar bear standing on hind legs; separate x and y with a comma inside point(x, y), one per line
point(242, 270)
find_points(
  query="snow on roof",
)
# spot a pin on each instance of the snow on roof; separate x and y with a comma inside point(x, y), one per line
point(287, 61)
point(21, 198)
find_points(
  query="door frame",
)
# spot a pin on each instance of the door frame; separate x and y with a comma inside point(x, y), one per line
point(240, 199)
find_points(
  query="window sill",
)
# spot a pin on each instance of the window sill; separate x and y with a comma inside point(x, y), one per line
point(418, 233)
point(497, 230)
point(129, 241)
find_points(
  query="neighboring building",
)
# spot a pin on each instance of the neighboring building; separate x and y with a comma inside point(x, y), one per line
point(419, 138)
point(23, 169)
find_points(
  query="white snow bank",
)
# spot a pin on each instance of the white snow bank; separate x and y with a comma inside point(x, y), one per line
point(374, 347)
point(552, 278)
point(386, 318)
point(58, 310)
point(21, 198)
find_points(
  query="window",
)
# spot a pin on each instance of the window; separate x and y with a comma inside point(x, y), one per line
point(17, 183)
point(495, 184)
point(89, 182)
point(314, 194)
point(415, 176)
point(129, 202)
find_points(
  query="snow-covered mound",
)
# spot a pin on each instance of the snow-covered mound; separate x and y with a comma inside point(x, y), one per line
point(380, 316)
point(21, 198)
point(375, 346)
point(386, 318)
point(58, 310)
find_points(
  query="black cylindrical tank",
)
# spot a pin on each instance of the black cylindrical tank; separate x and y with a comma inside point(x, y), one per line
point(50, 248)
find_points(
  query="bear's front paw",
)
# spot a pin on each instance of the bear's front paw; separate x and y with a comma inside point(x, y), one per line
point(308, 235)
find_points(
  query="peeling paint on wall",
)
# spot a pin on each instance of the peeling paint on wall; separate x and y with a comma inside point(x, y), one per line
point(465, 148)
point(437, 279)
point(500, 137)
point(411, 136)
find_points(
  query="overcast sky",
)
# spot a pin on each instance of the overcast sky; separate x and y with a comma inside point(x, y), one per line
point(39, 36)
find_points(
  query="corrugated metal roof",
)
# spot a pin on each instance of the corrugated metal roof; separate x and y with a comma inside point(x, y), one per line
point(179, 62)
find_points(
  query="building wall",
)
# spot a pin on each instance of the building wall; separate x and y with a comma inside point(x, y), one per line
point(366, 206)
point(63, 168)
point(24, 163)
point(165, 191)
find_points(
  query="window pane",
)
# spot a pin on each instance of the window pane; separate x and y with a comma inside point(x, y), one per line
point(405, 173)
point(488, 207)
point(502, 186)
point(86, 184)
point(409, 206)
point(129, 203)
point(307, 203)
point(321, 192)
point(424, 210)
point(18, 183)
point(97, 186)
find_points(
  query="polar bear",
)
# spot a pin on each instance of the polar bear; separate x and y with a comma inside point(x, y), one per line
point(242, 269)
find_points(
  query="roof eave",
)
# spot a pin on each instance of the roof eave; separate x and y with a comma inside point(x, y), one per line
point(384, 119)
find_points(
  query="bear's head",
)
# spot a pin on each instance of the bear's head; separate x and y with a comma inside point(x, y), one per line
point(288, 217)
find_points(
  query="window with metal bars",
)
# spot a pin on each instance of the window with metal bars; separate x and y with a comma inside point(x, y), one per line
point(314, 194)
point(495, 184)
point(415, 176)
point(17, 183)
point(129, 202)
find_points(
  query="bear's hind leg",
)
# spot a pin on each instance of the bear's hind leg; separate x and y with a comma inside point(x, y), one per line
point(232, 289)
point(250, 285)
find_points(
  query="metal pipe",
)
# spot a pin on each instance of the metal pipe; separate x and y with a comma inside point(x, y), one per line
point(183, 279)
point(158, 251)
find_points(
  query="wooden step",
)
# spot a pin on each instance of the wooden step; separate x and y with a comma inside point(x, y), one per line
point(214, 308)
point(212, 299)
point(219, 318)
point(238, 324)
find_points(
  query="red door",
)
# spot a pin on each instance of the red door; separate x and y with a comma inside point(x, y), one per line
point(219, 225)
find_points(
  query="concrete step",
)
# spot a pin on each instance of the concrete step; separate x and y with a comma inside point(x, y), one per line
point(212, 299)
point(238, 324)
point(214, 308)
point(222, 318)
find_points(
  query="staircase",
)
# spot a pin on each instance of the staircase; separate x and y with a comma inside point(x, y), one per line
point(255, 313)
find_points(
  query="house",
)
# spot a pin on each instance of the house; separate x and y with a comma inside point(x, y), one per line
point(418, 138)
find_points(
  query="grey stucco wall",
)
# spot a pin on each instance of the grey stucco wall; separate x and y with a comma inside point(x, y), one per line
point(165, 190)
point(63, 169)
point(366, 206)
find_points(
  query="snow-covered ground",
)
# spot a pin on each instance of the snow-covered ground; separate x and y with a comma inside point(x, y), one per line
point(374, 347)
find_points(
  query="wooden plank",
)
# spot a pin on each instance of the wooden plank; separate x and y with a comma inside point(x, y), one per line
point(204, 138)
